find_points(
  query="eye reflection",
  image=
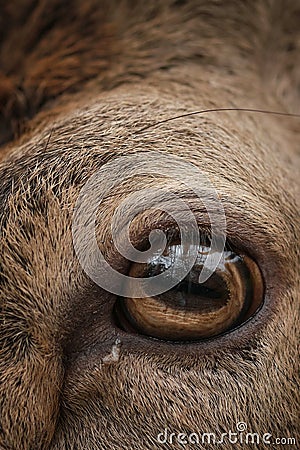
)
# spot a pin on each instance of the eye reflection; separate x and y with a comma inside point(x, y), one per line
point(193, 311)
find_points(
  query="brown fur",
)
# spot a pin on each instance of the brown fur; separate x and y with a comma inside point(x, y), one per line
point(78, 82)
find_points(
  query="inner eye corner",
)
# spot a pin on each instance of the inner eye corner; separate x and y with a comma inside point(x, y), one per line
point(191, 311)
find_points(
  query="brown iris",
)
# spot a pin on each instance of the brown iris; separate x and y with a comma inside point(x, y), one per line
point(191, 310)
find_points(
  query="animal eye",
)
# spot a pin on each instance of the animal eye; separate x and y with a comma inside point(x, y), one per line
point(190, 310)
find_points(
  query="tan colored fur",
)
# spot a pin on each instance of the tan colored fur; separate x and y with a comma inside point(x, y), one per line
point(82, 85)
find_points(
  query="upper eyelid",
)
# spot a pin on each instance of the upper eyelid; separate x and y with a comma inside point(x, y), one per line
point(243, 215)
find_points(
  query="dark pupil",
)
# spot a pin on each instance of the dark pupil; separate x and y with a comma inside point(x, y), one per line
point(189, 294)
point(214, 288)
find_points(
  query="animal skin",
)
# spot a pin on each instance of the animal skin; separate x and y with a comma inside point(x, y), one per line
point(82, 83)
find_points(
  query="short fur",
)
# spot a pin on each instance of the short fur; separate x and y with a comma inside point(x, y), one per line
point(78, 82)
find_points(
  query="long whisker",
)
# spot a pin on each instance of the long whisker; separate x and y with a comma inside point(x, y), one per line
point(204, 111)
